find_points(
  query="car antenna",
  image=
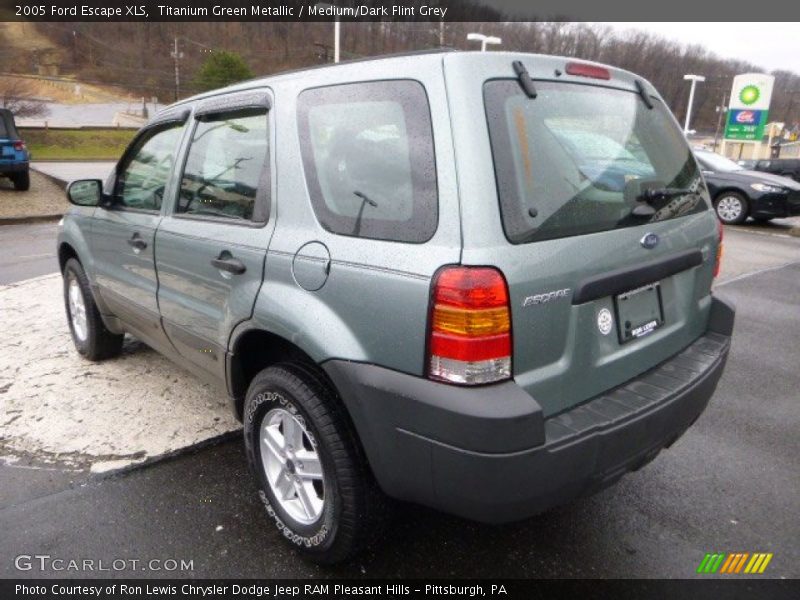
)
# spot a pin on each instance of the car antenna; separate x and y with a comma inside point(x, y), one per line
point(643, 93)
point(524, 79)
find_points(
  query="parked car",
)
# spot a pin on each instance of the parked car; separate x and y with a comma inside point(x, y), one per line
point(748, 164)
point(408, 285)
point(14, 157)
point(738, 193)
point(785, 167)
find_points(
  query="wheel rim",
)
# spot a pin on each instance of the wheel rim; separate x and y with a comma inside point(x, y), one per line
point(292, 465)
point(77, 309)
point(729, 208)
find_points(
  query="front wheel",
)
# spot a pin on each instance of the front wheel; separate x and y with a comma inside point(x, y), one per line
point(91, 337)
point(312, 477)
point(731, 208)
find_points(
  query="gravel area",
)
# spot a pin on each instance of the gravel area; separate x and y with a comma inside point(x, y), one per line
point(58, 409)
point(45, 198)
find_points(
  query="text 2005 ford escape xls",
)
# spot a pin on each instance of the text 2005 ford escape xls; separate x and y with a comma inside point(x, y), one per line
point(475, 281)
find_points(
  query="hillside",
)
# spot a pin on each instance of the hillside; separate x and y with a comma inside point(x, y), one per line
point(135, 58)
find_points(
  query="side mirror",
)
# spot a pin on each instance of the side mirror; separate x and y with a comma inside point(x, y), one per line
point(85, 192)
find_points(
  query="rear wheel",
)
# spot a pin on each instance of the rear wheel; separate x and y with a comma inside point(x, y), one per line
point(731, 208)
point(22, 181)
point(91, 337)
point(312, 477)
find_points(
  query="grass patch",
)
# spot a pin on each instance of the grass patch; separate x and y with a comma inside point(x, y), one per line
point(77, 144)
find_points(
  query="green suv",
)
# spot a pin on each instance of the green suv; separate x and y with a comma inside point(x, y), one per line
point(475, 281)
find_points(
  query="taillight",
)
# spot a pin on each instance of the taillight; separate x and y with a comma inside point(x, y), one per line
point(718, 260)
point(584, 70)
point(470, 326)
point(19, 145)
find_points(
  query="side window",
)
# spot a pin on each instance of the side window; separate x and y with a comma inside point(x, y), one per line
point(369, 159)
point(144, 174)
point(226, 168)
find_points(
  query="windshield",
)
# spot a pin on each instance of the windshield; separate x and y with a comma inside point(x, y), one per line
point(577, 159)
point(715, 162)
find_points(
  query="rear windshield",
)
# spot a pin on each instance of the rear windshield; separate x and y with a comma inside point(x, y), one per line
point(577, 159)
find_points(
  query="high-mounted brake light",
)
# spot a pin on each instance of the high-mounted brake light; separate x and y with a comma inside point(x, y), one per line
point(19, 145)
point(718, 259)
point(584, 70)
point(469, 338)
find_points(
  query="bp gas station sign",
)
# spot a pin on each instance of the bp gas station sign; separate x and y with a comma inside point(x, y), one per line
point(749, 107)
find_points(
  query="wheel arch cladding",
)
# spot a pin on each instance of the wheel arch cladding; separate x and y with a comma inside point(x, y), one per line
point(255, 350)
point(65, 252)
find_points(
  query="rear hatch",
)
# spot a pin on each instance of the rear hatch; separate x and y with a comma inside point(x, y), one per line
point(8, 138)
point(605, 235)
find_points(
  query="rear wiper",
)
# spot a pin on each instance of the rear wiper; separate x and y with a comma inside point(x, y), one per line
point(644, 207)
point(524, 79)
point(654, 194)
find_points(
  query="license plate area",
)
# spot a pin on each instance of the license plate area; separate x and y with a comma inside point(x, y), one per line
point(639, 312)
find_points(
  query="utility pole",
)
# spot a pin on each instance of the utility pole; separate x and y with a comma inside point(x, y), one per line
point(177, 56)
point(721, 110)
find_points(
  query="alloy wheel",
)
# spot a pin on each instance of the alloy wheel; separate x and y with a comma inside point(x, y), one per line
point(292, 465)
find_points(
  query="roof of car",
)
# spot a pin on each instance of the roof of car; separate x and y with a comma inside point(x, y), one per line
point(421, 58)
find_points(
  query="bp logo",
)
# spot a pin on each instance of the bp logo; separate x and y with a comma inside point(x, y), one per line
point(749, 94)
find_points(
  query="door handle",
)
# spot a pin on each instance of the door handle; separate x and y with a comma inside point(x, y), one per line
point(137, 243)
point(226, 262)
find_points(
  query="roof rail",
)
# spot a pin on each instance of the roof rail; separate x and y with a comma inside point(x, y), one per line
point(350, 61)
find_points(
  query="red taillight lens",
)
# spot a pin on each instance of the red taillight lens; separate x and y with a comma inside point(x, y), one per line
point(718, 260)
point(584, 70)
point(470, 326)
point(19, 145)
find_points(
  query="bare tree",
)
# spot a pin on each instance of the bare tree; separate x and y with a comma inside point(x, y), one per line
point(16, 94)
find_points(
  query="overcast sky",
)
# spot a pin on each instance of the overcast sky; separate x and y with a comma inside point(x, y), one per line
point(769, 45)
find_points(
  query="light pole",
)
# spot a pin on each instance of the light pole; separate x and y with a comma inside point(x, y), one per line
point(694, 79)
point(336, 29)
point(485, 40)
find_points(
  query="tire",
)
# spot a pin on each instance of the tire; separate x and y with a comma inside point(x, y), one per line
point(22, 181)
point(731, 208)
point(91, 337)
point(343, 508)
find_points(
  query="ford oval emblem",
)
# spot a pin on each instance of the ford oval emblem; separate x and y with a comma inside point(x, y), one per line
point(649, 241)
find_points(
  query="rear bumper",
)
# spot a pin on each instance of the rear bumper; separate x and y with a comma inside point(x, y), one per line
point(13, 167)
point(488, 454)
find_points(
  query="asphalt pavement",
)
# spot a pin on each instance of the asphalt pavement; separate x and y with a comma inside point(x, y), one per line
point(729, 485)
point(27, 251)
point(70, 170)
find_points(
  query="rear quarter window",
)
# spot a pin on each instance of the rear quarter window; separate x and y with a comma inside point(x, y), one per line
point(369, 160)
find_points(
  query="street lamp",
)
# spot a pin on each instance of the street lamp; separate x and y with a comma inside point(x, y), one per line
point(485, 40)
point(336, 29)
point(694, 79)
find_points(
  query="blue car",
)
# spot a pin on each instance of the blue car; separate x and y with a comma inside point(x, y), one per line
point(14, 155)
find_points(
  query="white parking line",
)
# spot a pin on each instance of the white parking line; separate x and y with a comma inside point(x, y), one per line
point(36, 255)
point(756, 272)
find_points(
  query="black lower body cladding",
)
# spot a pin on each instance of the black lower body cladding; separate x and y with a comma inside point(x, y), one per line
point(453, 448)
